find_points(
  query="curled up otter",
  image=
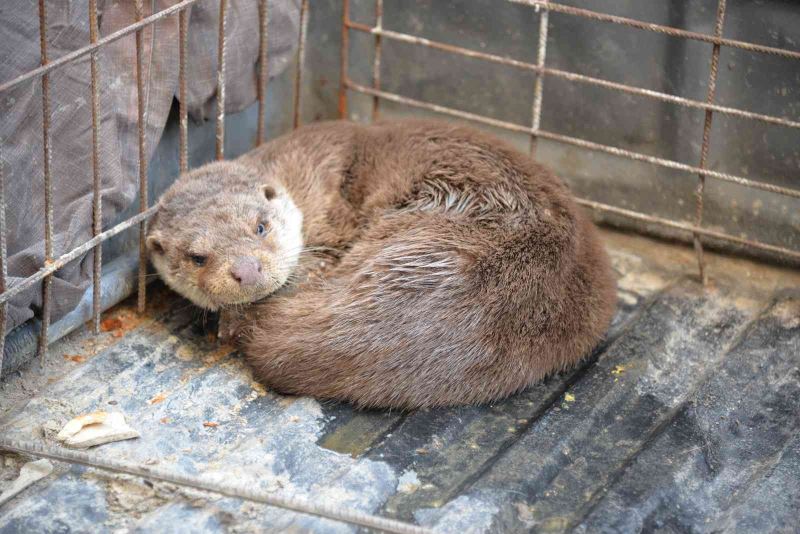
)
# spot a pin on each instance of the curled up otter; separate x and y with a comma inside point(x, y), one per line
point(401, 264)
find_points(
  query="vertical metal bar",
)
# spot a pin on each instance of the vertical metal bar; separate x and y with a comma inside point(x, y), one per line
point(221, 45)
point(376, 65)
point(3, 259)
point(183, 45)
point(96, 199)
point(541, 53)
point(343, 59)
point(301, 56)
point(48, 201)
point(701, 183)
point(263, 69)
point(142, 296)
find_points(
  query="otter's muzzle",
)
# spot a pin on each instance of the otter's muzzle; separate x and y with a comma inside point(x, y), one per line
point(246, 270)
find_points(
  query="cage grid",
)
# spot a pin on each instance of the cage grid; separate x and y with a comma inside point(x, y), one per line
point(346, 85)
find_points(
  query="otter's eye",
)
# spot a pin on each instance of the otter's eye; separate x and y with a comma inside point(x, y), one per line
point(198, 259)
point(261, 230)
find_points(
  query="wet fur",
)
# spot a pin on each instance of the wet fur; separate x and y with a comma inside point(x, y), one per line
point(462, 271)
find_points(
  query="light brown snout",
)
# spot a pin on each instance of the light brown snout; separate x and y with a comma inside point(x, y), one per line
point(246, 270)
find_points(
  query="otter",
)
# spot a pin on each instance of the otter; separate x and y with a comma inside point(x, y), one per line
point(395, 265)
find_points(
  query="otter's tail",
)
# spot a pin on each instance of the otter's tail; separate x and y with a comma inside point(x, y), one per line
point(432, 309)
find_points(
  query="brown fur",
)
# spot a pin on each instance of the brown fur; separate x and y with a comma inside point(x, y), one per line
point(462, 270)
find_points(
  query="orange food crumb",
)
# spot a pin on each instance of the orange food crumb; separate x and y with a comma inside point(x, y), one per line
point(164, 420)
point(77, 358)
point(158, 398)
point(210, 424)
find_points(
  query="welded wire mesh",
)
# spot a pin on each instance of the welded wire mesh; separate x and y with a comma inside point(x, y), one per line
point(694, 229)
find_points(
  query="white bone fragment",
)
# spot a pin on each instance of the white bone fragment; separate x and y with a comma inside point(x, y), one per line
point(96, 429)
point(30, 473)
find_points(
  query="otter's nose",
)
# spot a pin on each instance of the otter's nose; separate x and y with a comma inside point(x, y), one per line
point(246, 270)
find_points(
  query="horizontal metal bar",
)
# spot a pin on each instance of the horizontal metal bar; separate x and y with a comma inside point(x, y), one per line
point(75, 253)
point(665, 97)
point(689, 228)
point(75, 54)
point(575, 141)
point(294, 503)
point(658, 28)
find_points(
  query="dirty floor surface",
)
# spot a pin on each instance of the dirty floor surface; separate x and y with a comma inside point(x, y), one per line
point(686, 419)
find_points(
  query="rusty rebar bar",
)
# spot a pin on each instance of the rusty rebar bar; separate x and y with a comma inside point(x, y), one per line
point(580, 78)
point(3, 258)
point(80, 52)
point(142, 128)
point(222, 44)
point(701, 178)
point(183, 114)
point(301, 57)
point(74, 254)
point(48, 190)
point(263, 69)
point(541, 54)
point(344, 50)
point(376, 62)
point(658, 28)
point(690, 228)
point(97, 206)
point(286, 501)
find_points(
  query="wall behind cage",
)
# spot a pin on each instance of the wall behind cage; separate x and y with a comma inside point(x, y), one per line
point(747, 80)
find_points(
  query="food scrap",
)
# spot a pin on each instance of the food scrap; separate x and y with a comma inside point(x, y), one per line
point(95, 428)
point(210, 424)
point(77, 358)
point(161, 397)
point(618, 370)
point(569, 397)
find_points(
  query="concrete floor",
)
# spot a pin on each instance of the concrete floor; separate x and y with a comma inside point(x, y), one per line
point(685, 419)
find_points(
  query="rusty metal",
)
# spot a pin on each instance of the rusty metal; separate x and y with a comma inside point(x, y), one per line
point(572, 76)
point(183, 114)
point(376, 63)
point(80, 52)
point(541, 53)
point(263, 69)
point(701, 182)
point(690, 228)
point(658, 28)
point(301, 56)
point(74, 254)
point(344, 51)
point(142, 125)
point(97, 207)
point(222, 43)
point(3, 259)
point(48, 190)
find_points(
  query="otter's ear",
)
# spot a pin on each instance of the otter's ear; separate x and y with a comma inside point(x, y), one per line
point(154, 244)
point(269, 192)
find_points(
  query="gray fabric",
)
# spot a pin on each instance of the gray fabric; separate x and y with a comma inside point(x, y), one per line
point(21, 109)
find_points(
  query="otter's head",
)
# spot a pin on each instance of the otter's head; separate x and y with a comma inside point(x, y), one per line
point(224, 234)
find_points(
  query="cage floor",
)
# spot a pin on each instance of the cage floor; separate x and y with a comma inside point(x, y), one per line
point(685, 419)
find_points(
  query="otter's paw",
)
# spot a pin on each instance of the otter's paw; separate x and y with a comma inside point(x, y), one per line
point(234, 323)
